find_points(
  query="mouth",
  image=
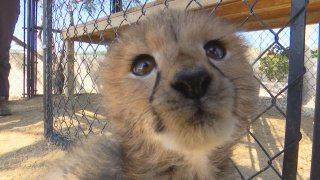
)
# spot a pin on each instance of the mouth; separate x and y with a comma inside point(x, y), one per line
point(199, 110)
point(201, 118)
point(194, 126)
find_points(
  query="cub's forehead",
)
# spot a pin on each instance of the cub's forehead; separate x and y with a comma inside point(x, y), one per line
point(179, 27)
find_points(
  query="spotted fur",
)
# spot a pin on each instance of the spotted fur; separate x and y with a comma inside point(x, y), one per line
point(157, 132)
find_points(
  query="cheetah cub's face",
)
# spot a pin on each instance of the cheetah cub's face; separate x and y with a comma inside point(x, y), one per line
point(181, 79)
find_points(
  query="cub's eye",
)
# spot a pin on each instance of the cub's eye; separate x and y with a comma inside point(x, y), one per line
point(142, 65)
point(215, 50)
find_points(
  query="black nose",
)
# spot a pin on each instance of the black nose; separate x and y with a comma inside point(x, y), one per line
point(192, 84)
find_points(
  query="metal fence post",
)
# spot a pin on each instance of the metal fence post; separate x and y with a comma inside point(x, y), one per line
point(295, 81)
point(315, 162)
point(31, 29)
point(31, 48)
point(115, 6)
point(29, 7)
point(47, 59)
point(24, 49)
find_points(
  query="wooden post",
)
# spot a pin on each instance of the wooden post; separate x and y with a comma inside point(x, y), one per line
point(70, 79)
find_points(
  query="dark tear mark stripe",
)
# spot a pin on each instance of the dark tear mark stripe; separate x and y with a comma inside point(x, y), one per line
point(154, 89)
point(219, 70)
point(158, 125)
point(175, 37)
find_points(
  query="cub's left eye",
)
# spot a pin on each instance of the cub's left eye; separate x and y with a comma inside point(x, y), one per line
point(215, 50)
point(142, 65)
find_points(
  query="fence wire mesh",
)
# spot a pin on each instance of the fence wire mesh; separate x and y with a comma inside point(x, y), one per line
point(20, 46)
point(17, 58)
point(82, 31)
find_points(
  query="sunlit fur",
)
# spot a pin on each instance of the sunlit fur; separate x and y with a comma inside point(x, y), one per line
point(157, 132)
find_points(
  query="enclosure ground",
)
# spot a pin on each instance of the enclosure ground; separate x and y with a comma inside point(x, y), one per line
point(24, 153)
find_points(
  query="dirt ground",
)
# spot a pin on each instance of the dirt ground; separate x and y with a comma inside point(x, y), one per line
point(24, 153)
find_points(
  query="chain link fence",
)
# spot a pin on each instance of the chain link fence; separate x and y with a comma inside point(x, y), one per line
point(17, 57)
point(78, 34)
point(23, 49)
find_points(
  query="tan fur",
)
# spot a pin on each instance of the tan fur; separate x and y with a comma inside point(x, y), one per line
point(182, 150)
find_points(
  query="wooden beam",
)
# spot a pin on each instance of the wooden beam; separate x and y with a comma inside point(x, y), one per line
point(112, 23)
point(70, 78)
point(274, 13)
point(24, 45)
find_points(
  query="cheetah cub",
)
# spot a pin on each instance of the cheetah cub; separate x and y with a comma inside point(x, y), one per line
point(178, 92)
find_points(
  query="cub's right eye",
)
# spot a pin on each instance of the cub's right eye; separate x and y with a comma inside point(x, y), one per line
point(143, 64)
point(215, 50)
